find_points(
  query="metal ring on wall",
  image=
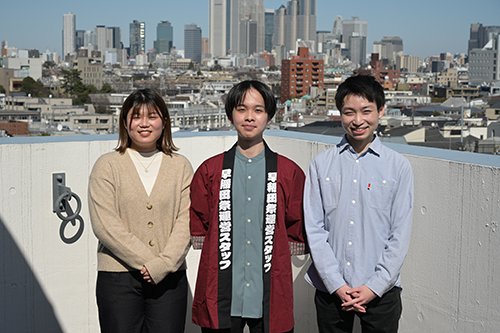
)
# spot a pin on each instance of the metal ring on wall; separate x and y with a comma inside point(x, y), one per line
point(59, 205)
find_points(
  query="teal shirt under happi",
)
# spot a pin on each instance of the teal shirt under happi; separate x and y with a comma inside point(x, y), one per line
point(248, 192)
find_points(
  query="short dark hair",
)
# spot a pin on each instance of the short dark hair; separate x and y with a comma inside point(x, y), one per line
point(361, 85)
point(154, 102)
point(238, 92)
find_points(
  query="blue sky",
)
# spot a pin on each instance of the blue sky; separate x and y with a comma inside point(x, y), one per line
point(427, 27)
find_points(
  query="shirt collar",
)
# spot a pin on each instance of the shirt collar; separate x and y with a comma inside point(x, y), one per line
point(374, 147)
point(256, 158)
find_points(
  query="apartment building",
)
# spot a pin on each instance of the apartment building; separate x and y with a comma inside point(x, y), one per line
point(300, 73)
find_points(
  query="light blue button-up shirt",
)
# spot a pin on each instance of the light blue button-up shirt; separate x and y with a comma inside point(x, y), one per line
point(358, 214)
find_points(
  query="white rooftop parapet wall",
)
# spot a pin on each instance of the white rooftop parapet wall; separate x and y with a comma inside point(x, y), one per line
point(451, 277)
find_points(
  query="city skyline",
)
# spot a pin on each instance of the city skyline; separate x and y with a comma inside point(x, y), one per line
point(428, 29)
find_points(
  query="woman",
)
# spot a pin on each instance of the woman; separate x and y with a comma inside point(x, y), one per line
point(139, 208)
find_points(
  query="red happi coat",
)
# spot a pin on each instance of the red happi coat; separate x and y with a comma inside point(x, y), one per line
point(211, 306)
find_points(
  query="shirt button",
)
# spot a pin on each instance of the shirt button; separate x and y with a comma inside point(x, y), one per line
point(249, 160)
point(248, 264)
point(248, 284)
point(249, 177)
point(249, 199)
point(327, 179)
point(354, 181)
point(248, 242)
point(249, 220)
point(150, 224)
point(348, 264)
point(149, 206)
point(357, 161)
point(152, 243)
point(383, 182)
point(350, 243)
point(353, 202)
point(351, 223)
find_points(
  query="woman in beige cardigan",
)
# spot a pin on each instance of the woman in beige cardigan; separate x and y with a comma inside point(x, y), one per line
point(139, 208)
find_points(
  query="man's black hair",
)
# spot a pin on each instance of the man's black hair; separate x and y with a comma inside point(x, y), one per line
point(361, 85)
point(238, 92)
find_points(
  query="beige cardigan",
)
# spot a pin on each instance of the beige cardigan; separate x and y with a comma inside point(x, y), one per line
point(135, 229)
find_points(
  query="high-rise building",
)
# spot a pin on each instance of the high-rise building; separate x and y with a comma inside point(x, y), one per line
point(480, 35)
point(248, 37)
point(279, 27)
point(437, 66)
point(236, 27)
point(116, 32)
point(323, 37)
point(291, 24)
point(192, 42)
point(357, 49)
point(108, 43)
point(79, 39)
point(218, 27)
point(90, 40)
point(295, 21)
point(104, 38)
point(69, 34)
point(300, 73)
point(474, 36)
point(247, 26)
point(137, 38)
point(307, 20)
point(205, 46)
point(164, 37)
point(389, 48)
point(269, 30)
point(407, 63)
point(483, 62)
point(355, 31)
point(337, 27)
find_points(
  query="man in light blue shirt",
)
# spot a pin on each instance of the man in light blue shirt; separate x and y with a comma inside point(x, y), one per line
point(358, 201)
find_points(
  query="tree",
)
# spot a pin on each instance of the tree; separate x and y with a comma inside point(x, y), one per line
point(82, 94)
point(33, 88)
point(216, 67)
point(71, 81)
point(2, 90)
point(106, 89)
point(75, 88)
point(273, 68)
point(49, 64)
point(101, 103)
point(191, 65)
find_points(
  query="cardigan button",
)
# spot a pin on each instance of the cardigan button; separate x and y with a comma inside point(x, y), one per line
point(152, 243)
point(150, 224)
point(149, 206)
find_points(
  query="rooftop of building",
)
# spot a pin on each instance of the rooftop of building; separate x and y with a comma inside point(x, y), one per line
point(450, 277)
